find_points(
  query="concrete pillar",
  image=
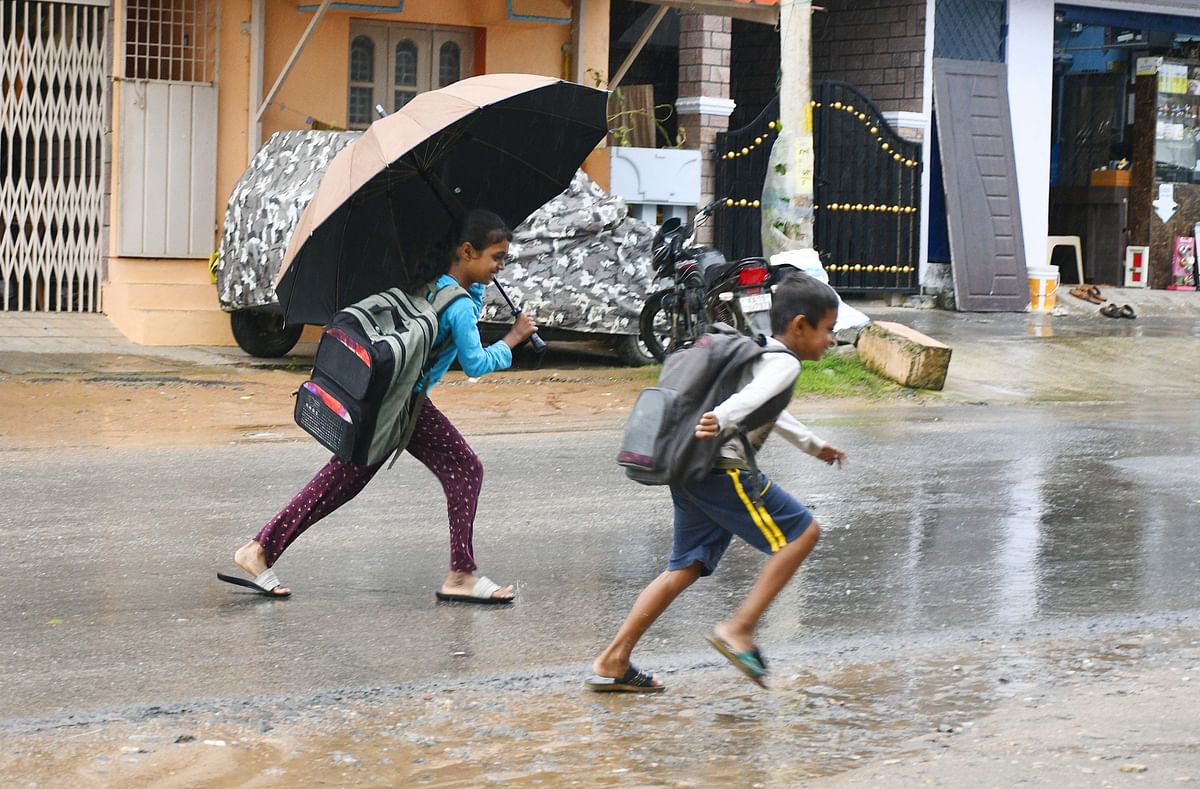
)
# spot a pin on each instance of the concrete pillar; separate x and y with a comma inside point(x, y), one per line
point(704, 105)
point(788, 191)
point(1030, 88)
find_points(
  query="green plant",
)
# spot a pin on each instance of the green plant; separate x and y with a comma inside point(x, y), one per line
point(618, 130)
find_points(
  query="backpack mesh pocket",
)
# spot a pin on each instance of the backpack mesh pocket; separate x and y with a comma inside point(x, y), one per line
point(640, 447)
point(324, 417)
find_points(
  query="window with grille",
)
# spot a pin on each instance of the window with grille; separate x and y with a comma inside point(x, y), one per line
point(391, 64)
point(406, 73)
point(362, 79)
point(449, 64)
point(170, 40)
point(970, 29)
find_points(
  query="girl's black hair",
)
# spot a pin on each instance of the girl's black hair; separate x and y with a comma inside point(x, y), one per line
point(800, 294)
point(480, 228)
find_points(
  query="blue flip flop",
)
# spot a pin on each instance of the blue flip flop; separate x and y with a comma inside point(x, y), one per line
point(751, 662)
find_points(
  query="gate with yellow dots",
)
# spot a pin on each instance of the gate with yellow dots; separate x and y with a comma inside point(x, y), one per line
point(866, 191)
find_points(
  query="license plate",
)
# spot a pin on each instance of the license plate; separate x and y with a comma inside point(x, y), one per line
point(759, 302)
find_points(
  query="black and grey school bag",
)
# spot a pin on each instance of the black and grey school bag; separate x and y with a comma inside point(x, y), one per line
point(660, 446)
point(362, 401)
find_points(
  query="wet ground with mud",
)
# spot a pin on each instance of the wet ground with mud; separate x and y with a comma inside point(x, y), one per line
point(1005, 591)
point(1075, 709)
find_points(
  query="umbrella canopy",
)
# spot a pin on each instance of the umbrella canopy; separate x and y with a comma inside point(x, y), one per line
point(505, 142)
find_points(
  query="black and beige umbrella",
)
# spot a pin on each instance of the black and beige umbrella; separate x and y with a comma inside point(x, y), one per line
point(505, 142)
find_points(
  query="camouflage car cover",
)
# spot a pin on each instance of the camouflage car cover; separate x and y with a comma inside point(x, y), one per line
point(265, 207)
point(579, 262)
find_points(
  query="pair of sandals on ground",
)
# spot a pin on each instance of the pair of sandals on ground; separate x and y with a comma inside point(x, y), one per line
point(750, 662)
point(267, 583)
point(1092, 294)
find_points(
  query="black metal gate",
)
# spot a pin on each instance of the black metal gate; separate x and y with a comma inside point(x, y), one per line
point(867, 192)
point(742, 158)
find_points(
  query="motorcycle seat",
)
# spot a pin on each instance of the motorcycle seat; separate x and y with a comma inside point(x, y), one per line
point(714, 274)
point(713, 265)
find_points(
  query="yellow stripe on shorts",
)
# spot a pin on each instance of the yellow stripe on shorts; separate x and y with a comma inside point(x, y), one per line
point(762, 519)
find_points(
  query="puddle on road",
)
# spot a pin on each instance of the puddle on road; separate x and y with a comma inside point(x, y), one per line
point(708, 729)
point(711, 728)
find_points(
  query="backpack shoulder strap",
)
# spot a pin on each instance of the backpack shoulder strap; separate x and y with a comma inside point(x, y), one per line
point(441, 297)
point(774, 349)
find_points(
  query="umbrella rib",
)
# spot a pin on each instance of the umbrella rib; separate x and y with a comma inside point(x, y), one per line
point(514, 157)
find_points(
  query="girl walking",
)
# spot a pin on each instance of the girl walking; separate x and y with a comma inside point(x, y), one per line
point(471, 255)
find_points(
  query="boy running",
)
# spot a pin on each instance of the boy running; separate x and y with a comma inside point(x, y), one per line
point(731, 500)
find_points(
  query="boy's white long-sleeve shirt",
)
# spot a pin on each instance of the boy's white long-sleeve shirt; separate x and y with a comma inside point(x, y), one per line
point(771, 374)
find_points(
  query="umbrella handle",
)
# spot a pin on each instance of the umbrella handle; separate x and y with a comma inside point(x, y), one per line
point(539, 345)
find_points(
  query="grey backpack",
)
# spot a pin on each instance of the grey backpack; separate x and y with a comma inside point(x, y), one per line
point(660, 446)
point(367, 381)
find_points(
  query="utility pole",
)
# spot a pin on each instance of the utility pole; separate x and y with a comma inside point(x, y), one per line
point(787, 208)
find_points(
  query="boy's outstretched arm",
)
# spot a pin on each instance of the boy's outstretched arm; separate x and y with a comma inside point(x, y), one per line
point(831, 454)
point(799, 436)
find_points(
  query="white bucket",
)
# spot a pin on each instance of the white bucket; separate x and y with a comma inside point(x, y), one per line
point(1043, 289)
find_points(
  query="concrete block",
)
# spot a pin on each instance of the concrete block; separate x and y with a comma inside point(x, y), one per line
point(905, 355)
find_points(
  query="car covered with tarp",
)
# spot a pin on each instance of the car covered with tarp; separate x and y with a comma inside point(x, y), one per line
point(579, 265)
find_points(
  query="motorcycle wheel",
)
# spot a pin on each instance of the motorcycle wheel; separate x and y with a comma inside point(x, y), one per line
point(263, 334)
point(655, 326)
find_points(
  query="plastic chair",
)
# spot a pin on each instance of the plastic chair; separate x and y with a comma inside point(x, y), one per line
point(1066, 241)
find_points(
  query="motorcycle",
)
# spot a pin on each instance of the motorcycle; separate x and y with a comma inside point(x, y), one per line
point(705, 288)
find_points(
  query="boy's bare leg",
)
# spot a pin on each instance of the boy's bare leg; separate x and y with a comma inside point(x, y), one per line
point(738, 630)
point(654, 599)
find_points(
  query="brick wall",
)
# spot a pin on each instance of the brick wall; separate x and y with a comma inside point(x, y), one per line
point(876, 45)
point(704, 43)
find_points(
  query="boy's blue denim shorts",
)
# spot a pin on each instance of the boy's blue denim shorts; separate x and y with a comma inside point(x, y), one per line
point(709, 512)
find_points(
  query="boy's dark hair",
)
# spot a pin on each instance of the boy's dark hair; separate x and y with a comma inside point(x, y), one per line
point(800, 294)
point(480, 228)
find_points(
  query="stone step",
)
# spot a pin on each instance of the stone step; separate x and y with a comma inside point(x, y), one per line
point(904, 355)
point(165, 302)
point(154, 270)
point(163, 295)
point(173, 326)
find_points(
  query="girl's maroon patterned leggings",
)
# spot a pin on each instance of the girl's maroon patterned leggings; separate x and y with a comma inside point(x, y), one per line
point(436, 443)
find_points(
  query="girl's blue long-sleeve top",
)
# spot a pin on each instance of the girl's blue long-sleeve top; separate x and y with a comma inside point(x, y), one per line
point(461, 322)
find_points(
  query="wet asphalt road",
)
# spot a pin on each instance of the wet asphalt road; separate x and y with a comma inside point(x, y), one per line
point(949, 521)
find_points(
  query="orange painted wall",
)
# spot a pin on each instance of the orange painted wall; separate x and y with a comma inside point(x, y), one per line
point(317, 85)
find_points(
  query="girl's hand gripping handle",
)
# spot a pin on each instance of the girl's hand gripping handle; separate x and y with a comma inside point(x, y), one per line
point(523, 323)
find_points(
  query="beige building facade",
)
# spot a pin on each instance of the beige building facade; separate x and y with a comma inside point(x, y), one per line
point(198, 85)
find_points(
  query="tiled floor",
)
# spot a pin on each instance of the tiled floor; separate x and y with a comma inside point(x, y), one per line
point(60, 333)
point(35, 332)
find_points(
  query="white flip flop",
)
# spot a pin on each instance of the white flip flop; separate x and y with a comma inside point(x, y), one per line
point(482, 594)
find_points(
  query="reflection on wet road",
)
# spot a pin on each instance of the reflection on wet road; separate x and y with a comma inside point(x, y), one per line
point(948, 520)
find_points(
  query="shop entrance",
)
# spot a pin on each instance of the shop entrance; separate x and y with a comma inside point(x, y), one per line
point(1124, 141)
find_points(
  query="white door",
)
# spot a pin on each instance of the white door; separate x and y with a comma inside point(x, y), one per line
point(53, 77)
point(391, 64)
point(167, 159)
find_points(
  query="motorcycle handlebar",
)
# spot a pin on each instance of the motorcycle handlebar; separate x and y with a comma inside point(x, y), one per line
point(683, 236)
point(701, 215)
